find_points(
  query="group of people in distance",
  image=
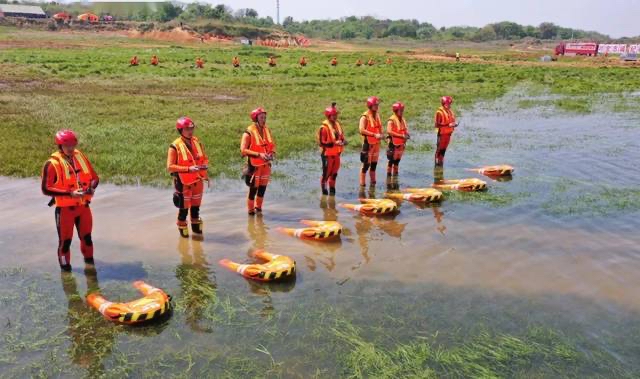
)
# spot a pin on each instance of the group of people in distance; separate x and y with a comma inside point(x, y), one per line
point(199, 62)
point(70, 180)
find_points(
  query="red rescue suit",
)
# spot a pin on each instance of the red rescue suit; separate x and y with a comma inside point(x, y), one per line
point(62, 176)
point(328, 137)
point(443, 119)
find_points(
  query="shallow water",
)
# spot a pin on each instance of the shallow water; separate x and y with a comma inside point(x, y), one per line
point(554, 247)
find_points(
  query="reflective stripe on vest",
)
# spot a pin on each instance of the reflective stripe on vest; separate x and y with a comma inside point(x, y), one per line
point(447, 117)
point(259, 145)
point(334, 136)
point(400, 127)
point(374, 125)
point(186, 158)
point(68, 180)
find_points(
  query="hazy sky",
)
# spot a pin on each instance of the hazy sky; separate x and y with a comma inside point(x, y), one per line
point(614, 17)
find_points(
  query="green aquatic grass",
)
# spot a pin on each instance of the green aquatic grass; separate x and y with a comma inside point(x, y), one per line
point(599, 201)
point(538, 353)
point(125, 116)
point(493, 197)
point(239, 338)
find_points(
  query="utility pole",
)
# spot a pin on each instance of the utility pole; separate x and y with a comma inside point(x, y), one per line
point(278, 12)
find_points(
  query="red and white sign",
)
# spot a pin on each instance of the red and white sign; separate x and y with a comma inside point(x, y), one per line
point(587, 48)
point(612, 49)
point(633, 49)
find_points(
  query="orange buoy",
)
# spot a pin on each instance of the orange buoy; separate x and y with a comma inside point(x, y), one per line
point(465, 185)
point(417, 195)
point(317, 230)
point(373, 207)
point(154, 304)
point(278, 267)
point(493, 171)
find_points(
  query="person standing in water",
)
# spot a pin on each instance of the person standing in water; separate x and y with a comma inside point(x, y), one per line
point(69, 178)
point(188, 164)
point(370, 128)
point(445, 122)
point(398, 136)
point(258, 146)
point(332, 142)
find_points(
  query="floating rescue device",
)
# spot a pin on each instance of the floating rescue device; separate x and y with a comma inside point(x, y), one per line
point(317, 230)
point(278, 267)
point(418, 195)
point(154, 304)
point(465, 185)
point(494, 171)
point(373, 207)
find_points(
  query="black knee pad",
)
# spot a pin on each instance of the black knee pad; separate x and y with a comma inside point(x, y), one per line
point(442, 151)
point(182, 214)
point(66, 245)
point(365, 168)
point(335, 176)
point(396, 162)
point(374, 165)
point(364, 156)
point(252, 193)
point(195, 212)
point(178, 199)
point(87, 240)
point(261, 191)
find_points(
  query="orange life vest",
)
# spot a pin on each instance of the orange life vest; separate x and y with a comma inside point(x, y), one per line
point(334, 62)
point(154, 60)
point(335, 134)
point(400, 127)
point(236, 62)
point(374, 125)
point(446, 117)
point(303, 62)
point(186, 157)
point(262, 144)
point(68, 179)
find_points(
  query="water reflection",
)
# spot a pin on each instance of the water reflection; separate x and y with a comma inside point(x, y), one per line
point(393, 183)
point(265, 290)
point(364, 194)
point(257, 233)
point(438, 174)
point(198, 287)
point(439, 215)
point(364, 227)
point(328, 206)
point(92, 339)
point(504, 178)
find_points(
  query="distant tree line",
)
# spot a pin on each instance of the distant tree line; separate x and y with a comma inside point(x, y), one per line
point(344, 28)
point(369, 27)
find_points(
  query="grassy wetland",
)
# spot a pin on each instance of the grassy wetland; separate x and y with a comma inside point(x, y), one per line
point(126, 115)
point(534, 278)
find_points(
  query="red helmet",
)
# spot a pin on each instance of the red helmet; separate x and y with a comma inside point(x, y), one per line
point(256, 112)
point(397, 106)
point(331, 111)
point(373, 100)
point(446, 100)
point(66, 137)
point(184, 122)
